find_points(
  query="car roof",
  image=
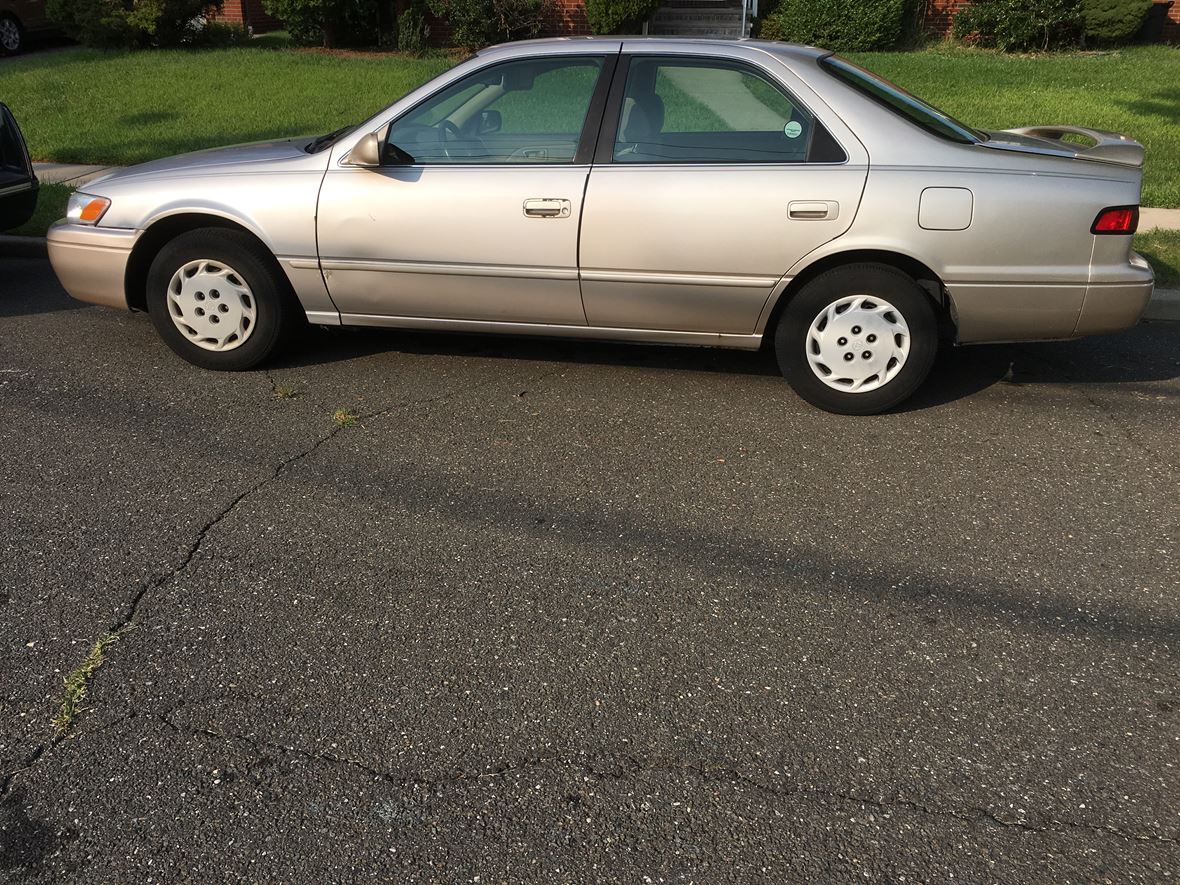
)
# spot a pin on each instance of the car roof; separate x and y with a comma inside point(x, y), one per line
point(795, 50)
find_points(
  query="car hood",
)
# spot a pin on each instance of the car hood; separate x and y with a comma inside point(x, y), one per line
point(227, 160)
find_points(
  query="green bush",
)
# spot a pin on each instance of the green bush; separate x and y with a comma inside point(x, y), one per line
point(619, 16)
point(1015, 25)
point(329, 23)
point(128, 23)
point(840, 25)
point(413, 34)
point(479, 23)
point(1113, 21)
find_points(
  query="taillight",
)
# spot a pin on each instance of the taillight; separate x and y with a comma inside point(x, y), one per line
point(1116, 220)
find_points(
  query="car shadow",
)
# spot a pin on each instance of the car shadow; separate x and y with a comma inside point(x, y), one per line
point(1147, 353)
point(25, 289)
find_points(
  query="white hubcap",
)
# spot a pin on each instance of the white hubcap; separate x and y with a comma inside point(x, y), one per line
point(211, 305)
point(858, 343)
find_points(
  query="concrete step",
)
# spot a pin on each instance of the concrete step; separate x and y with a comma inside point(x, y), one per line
point(674, 23)
point(703, 6)
point(696, 31)
point(721, 15)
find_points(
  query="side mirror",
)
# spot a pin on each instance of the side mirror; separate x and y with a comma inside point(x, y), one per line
point(489, 121)
point(365, 153)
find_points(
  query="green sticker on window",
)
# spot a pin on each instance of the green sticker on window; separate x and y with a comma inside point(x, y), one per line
point(793, 129)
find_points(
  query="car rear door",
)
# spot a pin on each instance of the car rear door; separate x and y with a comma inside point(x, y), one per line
point(711, 178)
point(474, 213)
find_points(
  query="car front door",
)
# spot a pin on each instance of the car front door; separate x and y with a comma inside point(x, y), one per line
point(474, 212)
point(710, 180)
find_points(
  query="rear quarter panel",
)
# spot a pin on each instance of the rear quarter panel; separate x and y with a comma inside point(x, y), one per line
point(1021, 268)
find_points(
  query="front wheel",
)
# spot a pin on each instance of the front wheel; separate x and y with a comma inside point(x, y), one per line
point(857, 340)
point(216, 298)
point(12, 35)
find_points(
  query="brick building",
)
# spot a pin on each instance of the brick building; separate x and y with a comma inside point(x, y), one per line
point(248, 13)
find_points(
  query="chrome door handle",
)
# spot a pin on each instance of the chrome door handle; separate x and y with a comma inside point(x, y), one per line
point(547, 207)
point(814, 210)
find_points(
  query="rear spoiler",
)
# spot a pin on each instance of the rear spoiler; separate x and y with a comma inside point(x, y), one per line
point(1109, 147)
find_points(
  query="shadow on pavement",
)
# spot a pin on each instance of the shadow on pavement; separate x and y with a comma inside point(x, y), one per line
point(1046, 610)
point(1148, 353)
point(27, 286)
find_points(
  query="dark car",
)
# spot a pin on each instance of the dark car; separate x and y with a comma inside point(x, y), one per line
point(18, 20)
point(18, 182)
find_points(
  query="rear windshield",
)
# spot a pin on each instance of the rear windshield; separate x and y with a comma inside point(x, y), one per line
point(901, 102)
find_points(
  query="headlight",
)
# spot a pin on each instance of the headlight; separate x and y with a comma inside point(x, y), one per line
point(86, 209)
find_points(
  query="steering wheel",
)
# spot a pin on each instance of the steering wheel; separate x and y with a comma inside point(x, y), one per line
point(447, 132)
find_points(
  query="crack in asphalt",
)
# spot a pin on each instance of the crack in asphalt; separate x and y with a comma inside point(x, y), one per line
point(162, 579)
point(629, 766)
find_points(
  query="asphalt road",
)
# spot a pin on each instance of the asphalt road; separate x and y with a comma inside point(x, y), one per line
point(582, 613)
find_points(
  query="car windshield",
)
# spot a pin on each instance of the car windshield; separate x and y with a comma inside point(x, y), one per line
point(901, 102)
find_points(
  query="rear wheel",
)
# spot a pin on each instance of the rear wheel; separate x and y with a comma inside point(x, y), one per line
point(12, 35)
point(216, 298)
point(858, 339)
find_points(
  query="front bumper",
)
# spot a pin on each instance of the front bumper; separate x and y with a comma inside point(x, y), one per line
point(91, 262)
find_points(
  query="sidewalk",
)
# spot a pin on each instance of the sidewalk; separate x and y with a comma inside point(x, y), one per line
point(1164, 219)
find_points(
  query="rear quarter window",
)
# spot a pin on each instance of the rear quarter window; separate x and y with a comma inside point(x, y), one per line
point(900, 102)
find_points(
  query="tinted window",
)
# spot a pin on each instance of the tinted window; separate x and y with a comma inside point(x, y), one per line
point(529, 111)
point(900, 102)
point(678, 110)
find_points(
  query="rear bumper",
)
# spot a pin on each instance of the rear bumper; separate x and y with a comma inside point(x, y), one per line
point(992, 312)
point(91, 262)
point(1114, 305)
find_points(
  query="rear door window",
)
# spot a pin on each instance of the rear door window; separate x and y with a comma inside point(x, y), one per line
point(685, 110)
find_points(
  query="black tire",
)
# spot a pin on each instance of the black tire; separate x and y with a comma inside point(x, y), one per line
point(15, 31)
point(887, 283)
point(277, 312)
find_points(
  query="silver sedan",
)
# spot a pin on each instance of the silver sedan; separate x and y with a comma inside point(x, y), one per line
point(688, 192)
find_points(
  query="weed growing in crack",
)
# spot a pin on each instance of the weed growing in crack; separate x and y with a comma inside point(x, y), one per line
point(78, 680)
point(345, 417)
point(285, 392)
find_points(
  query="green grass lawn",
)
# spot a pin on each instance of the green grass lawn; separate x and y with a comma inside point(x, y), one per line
point(87, 106)
point(51, 205)
point(1162, 250)
point(1135, 91)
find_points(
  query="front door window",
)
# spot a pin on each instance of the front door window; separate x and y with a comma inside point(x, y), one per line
point(530, 111)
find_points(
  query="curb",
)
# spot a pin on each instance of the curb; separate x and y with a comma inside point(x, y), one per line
point(22, 247)
point(1164, 307)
